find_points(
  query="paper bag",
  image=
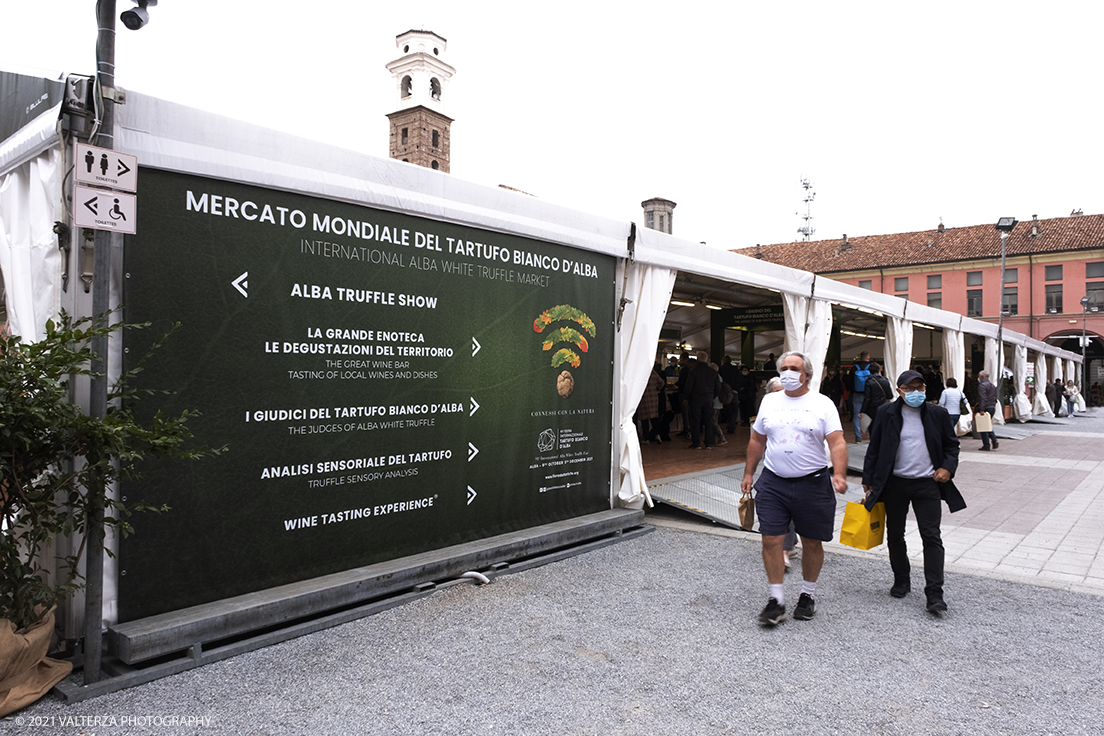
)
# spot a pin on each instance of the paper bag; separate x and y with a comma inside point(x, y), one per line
point(983, 422)
point(865, 421)
point(747, 512)
point(863, 529)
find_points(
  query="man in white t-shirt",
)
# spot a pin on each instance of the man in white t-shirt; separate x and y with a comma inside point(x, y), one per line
point(796, 484)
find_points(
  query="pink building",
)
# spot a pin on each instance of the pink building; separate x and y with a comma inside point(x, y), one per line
point(1050, 265)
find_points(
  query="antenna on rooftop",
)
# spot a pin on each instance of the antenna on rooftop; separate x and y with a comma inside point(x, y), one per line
point(808, 228)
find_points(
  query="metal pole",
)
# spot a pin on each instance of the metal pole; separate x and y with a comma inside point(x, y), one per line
point(97, 409)
point(1084, 367)
point(1000, 329)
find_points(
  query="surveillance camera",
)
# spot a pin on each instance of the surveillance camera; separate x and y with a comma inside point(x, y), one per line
point(135, 18)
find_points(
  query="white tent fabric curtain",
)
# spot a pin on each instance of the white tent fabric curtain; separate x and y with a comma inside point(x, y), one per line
point(954, 366)
point(818, 332)
point(1073, 374)
point(30, 200)
point(1073, 370)
point(1021, 405)
point(795, 309)
point(1059, 373)
point(1042, 406)
point(649, 290)
point(994, 364)
point(808, 329)
point(954, 356)
point(898, 347)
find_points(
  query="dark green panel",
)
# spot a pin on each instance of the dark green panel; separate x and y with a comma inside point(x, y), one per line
point(398, 398)
point(754, 319)
point(23, 98)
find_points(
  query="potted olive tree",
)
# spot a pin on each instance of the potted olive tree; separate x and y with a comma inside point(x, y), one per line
point(55, 462)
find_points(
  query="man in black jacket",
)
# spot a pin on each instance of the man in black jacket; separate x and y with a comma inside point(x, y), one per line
point(912, 458)
point(987, 402)
point(702, 385)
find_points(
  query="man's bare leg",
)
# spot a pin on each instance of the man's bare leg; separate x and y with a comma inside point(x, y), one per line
point(812, 558)
point(772, 558)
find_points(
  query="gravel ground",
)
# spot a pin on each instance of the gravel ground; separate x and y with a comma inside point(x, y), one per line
point(655, 635)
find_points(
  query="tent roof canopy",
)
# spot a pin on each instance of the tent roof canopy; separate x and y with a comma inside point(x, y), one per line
point(170, 136)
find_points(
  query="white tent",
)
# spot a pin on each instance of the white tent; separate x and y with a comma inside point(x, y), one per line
point(164, 135)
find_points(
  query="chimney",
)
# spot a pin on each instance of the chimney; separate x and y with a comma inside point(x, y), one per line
point(940, 228)
point(758, 251)
point(1034, 226)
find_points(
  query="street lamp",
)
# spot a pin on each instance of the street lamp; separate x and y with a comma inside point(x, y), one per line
point(1004, 225)
point(101, 285)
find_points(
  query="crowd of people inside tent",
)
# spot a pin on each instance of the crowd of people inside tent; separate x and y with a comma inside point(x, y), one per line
point(699, 401)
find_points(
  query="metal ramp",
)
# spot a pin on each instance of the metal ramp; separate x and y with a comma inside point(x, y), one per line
point(713, 494)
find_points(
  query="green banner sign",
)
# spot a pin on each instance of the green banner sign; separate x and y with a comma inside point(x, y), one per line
point(386, 385)
point(753, 319)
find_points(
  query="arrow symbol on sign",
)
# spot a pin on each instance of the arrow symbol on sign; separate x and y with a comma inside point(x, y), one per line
point(123, 168)
point(475, 346)
point(471, 495)
point(241, 284)
point(475, 407)
point(92, 204)
point(472, 451)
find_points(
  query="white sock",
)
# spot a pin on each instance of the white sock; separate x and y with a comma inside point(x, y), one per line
point(777, 592)
point(808, 588)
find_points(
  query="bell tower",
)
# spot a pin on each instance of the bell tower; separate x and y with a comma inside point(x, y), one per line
point(419, 128)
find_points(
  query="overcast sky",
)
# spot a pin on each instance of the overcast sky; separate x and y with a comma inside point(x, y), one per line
point(900, 113)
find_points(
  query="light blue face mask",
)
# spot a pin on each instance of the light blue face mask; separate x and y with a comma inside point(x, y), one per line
point(915, 398)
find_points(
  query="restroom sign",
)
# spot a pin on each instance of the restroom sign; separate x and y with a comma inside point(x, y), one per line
point(102, 209)
point(106, 168)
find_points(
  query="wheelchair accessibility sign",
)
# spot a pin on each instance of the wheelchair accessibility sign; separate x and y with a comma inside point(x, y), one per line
point(101, 209)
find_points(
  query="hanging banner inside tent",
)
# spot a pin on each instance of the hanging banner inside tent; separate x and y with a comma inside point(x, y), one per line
point(385, 384)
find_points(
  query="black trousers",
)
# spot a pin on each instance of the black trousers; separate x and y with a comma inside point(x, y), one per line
point(927, 506)
point(698, 414)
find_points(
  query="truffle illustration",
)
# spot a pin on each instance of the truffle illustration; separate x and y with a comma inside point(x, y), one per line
point(558, 337)
point(565, 384)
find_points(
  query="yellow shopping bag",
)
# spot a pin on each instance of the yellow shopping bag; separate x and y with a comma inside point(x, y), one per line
point(863, 529)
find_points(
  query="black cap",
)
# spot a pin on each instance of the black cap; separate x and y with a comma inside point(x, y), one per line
point(908, 377)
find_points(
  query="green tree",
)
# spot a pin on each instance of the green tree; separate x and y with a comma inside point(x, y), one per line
point(55, 460)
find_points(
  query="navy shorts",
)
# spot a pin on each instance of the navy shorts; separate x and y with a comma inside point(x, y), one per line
point(808, 501)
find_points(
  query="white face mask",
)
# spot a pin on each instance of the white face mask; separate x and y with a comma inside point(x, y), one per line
point(791, 380)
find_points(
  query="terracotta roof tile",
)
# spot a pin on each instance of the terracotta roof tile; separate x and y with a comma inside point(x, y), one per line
point(1056, 235)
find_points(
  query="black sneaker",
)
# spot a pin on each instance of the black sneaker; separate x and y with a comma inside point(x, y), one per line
point(805, 608)
point(996, 445)
point(900, 590)
point(935, 605)
point(772, 613)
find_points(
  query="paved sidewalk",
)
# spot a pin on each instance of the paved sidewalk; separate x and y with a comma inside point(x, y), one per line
point(1035, 509)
